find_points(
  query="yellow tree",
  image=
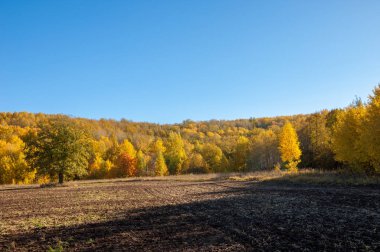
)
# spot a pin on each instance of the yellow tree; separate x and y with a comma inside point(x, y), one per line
point(96, 162)
point(13, 167)
point(197, 164)
point(126, 161)
point(213, 157)
point(264, 149)
point(127, 165)
point(175, 153)
point(160, 168)
point(289, 147)
point(157, 146)
point(141, 163)
point(240, 154)
point(370, 140)
point(127, 147)
point(346, 138)
point(158, 164)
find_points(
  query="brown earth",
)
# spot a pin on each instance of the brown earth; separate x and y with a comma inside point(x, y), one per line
point(190, 216)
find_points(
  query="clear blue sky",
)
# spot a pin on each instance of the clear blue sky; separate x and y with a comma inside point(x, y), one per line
point(166, 61)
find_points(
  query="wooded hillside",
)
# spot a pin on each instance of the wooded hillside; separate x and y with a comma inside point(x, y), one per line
point(348, 138)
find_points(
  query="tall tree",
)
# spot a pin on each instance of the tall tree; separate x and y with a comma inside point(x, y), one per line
point(318, 151)
point(196, 164)
point(371, 134)
point(13, 167)
point(157, 165)
point(113, 148)
point(141, 163)
point(289, 147)
point(60, 148)
point(126, 165)
point(264, 150)
point(213, 156)
point(160, 168)
point(347, 133)
point(127, 147)
point(240, 154)
point(175, 153)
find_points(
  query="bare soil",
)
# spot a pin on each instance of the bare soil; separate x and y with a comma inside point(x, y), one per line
point(190, 216)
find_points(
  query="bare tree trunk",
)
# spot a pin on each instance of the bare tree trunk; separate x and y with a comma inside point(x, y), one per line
point(60, 177)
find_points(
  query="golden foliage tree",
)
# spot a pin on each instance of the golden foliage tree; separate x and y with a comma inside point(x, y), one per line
point(160, 167)
point(175, 153)
point(157, 164)
point(127, 147)
point(347, 137)
point(158, 146)
point(289, 147)
point(141, 163)
point(264, 150)
point(371, 130)
point(97, 168)
point(126, 165)
point(13, 167)
point(213, 156)
point(240, 154)
point(356, 135)
point(197, 164)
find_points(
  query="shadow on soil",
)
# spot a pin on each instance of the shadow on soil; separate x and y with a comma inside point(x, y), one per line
point(251, 217)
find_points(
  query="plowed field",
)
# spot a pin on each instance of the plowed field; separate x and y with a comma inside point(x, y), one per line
point(189, 216)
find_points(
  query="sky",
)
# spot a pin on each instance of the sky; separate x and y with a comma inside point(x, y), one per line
point(167, 61)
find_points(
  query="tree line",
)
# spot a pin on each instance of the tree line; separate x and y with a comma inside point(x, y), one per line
point(41, 147)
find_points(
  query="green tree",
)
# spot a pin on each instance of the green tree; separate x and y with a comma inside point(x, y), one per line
point(141, 163)
point(289, 147)
point(60, 148)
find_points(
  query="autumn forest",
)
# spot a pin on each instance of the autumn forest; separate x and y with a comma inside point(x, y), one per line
point(40, 147)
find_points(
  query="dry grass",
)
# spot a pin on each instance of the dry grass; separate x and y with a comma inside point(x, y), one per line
point(312, 176)
point(257, 176)
point(303, 176)
point(309, 176)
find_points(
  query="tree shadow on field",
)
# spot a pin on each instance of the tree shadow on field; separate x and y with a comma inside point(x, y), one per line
point(238, 219)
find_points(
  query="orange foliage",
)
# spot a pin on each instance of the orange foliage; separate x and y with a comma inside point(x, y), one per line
point(127, 165)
